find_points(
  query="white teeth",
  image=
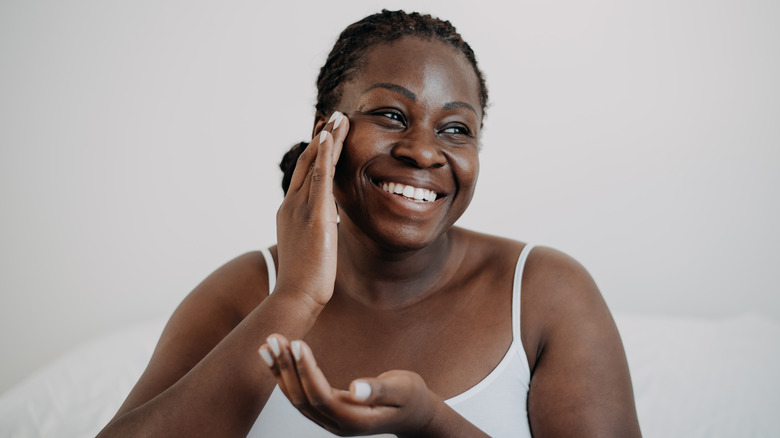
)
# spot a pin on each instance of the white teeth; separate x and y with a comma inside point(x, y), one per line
point(416, 193)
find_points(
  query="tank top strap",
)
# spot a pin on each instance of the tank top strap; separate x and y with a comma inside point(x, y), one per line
point(269, 263)
point(516, 294)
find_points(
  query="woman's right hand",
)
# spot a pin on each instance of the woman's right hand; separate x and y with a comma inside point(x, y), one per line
point(306, 222)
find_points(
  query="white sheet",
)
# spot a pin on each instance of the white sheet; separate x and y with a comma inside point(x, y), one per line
point(78, 393)
point(705, 378)
point(692, 378)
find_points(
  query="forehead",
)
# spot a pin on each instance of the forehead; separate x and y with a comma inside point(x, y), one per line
point(431, 69)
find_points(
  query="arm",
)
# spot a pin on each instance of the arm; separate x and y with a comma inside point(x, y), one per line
point(580, 383)
point(204, 379)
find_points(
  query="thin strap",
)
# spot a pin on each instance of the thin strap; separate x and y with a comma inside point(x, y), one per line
point(269, 263)
point(516, 292)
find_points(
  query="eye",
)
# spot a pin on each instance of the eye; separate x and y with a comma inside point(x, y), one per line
point(456, 130)
point(391, 114)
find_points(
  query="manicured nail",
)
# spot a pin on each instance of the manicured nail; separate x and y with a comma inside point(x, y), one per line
point(296, 348)
point(266, 355)
point(362, 390)
point(274, 344)
point(334, 116)
point(323, 135)
point(339, 118)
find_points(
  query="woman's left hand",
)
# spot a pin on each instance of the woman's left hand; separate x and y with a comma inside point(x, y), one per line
point(395, 402)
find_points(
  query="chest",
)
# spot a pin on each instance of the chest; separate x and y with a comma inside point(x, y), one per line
point(453, 341)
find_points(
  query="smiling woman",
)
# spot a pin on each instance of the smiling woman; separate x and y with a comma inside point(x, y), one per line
point(374, 314)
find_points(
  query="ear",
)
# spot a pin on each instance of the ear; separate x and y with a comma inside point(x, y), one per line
point(319, 123)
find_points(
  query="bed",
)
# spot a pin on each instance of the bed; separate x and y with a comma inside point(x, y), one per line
point(692, 378)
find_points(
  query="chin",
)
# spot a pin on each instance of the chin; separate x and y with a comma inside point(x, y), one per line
point(403, 237)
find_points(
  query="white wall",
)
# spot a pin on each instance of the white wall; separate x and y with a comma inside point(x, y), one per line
point(140, 141)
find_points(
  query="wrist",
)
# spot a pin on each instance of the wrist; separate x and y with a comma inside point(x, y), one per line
point(445, 422)
point(431, 425)
point(315, 292)
point(296, 302)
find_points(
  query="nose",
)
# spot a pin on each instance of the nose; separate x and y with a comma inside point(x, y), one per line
point(419, 149)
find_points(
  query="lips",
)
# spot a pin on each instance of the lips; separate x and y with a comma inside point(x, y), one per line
point(412, 193)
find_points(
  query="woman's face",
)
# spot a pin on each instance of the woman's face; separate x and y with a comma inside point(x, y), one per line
point(415, 117)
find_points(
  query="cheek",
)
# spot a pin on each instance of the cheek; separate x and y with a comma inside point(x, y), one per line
point(467, 169)
point(358, 149)
point(362, 144)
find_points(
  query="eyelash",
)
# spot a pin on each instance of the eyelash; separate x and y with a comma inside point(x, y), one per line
point(462, 130)
point(397, 116)
point(393, 115)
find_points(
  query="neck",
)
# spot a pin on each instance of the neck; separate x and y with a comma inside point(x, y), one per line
point(385, 278)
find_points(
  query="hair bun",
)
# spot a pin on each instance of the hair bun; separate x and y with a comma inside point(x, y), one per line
point(288, 163)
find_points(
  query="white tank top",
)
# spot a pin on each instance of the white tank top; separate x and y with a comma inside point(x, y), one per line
point(497, 404)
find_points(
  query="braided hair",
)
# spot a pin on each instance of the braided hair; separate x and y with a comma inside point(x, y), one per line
point(347, 58)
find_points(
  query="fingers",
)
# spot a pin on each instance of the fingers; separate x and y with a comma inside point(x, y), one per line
point(317, 162)
point(331, 141)
point(395, 401)
point(339, 131)
point(299, 378)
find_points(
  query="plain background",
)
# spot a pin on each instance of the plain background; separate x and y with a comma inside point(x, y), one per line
point(140, 143)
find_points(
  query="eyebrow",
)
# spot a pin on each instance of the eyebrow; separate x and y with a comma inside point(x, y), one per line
point(454, 105)
point(413, 97)
point(407, 93)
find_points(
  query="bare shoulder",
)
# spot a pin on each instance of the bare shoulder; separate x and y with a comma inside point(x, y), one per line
point(559, 295)
point(555, 279)
point(205, 316)
point(580, 382)
point(238, 286)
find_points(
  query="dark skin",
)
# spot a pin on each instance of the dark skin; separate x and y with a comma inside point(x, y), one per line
point(393, 296)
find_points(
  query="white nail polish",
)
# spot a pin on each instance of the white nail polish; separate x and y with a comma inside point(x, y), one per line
point(334, 116)
point(296, 348)
point(323, 135)
point(274, 344)
point(338, 120)
point(266, 355)
point(362, 390)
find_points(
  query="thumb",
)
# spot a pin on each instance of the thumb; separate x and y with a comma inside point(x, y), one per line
point(393, 388)
point(361, 391)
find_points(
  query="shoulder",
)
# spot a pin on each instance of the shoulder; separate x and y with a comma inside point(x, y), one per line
point(555, 276)
point(579, 373)
point(238, 286)
point(205, 316)
point(549, 275)
point(560, 298)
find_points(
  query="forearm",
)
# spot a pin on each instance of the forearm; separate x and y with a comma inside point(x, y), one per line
point(223, 394)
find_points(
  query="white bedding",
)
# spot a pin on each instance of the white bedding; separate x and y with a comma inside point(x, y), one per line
point(692, 378)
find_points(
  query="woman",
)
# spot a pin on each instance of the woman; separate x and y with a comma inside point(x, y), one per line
point(384, 318)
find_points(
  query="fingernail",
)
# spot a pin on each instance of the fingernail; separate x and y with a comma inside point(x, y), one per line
point(323, 135)
point(274, 344)
point(266, 355)
point(296, 348)
point(339, 118)
point(334, 116)
point(362, 390)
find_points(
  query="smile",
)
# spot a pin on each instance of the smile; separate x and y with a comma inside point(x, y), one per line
point(412, 193)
